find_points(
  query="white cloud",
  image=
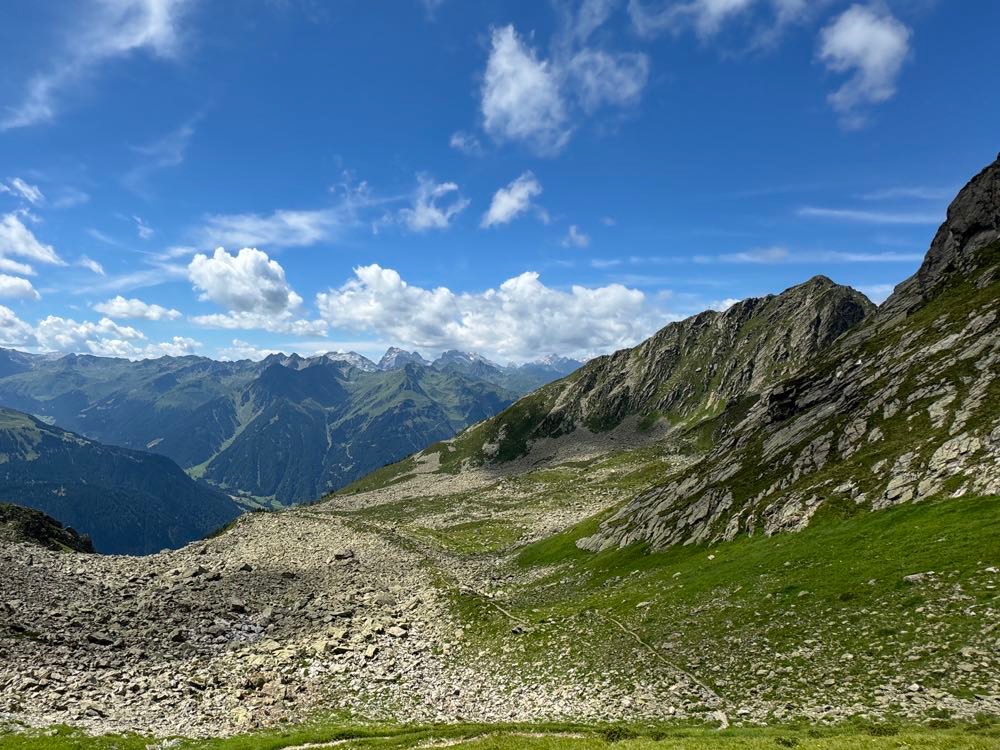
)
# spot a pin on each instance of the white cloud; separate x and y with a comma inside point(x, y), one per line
point(14, 287)
point(163, 153)
point(91, 265)
point(723, 304)
point(69, 197)
point(516, 320)
point(778, 254)
point(915, 192)
point(17, 239)
point(105, 338)
point(521, 100)
point(872, 217)
point(13, 330)
point(510, 202)
point(602, 78)
point(538, 101)
point(142, 228)
point(575, 238)
point(282, 322)
point(877, 293)
point(429, 209)
point(870, 46)
point(467, 143)
point(707, 17)
point(281, 228)
point(120, 308)
point(244, 350)
point(12, 266)
point(248, 282)
point(22, 189)
point(108, 30)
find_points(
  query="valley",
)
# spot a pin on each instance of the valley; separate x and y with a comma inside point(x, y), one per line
point(778, 524)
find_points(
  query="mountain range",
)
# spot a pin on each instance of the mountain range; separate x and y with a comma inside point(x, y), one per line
point(283, 430)
point(783, 515)
point(125, 501)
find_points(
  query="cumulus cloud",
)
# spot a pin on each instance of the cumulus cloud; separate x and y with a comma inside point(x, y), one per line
point(21, 189)
point(106, 30)
point(519, 319)
point(254, 291)
point(521, 99)
point(510, 202)
point(870, 46)
point(14, 331)
point(120, 308)
point(575, 238)
point(430, 209)
point(537, 101)
point(248, 282)
point(14, 287)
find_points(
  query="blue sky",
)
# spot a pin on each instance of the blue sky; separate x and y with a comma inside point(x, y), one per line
point(516, 178)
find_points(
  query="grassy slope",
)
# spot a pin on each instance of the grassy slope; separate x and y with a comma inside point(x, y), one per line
point(855, 736)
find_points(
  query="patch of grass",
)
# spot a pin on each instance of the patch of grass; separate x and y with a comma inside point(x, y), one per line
point(539, 737)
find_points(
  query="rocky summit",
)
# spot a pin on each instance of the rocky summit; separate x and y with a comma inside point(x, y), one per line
point(781, 513)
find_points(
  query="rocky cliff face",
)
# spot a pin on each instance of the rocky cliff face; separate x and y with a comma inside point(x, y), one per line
point(687, 372)
point(905, 407)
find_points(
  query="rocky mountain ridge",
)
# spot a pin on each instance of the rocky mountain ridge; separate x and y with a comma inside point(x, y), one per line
point(903, 408)
point(685, 373)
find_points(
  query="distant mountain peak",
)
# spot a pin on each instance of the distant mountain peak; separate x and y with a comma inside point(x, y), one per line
point(396, 358)
point(354, 359)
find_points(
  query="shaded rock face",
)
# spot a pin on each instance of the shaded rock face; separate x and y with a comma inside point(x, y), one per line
point(28, 526)
point(702, 362)
point(905, 407)
point(973, 222)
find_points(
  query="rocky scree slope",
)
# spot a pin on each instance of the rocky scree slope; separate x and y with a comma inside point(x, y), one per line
point(127, 502)
point(29, 526)
point(688, 371)
point(903, 408)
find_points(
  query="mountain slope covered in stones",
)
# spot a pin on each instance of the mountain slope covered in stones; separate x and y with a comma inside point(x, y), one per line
point(284, 430)
point(584, 573)
point(127, 502)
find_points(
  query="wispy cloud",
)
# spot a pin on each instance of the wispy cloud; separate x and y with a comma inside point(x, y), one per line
point(575, 237)
point(871, 217)
point(779, 254)
point(163, 153)
point(24, 190)
point(914, 193)
point(105, 31)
